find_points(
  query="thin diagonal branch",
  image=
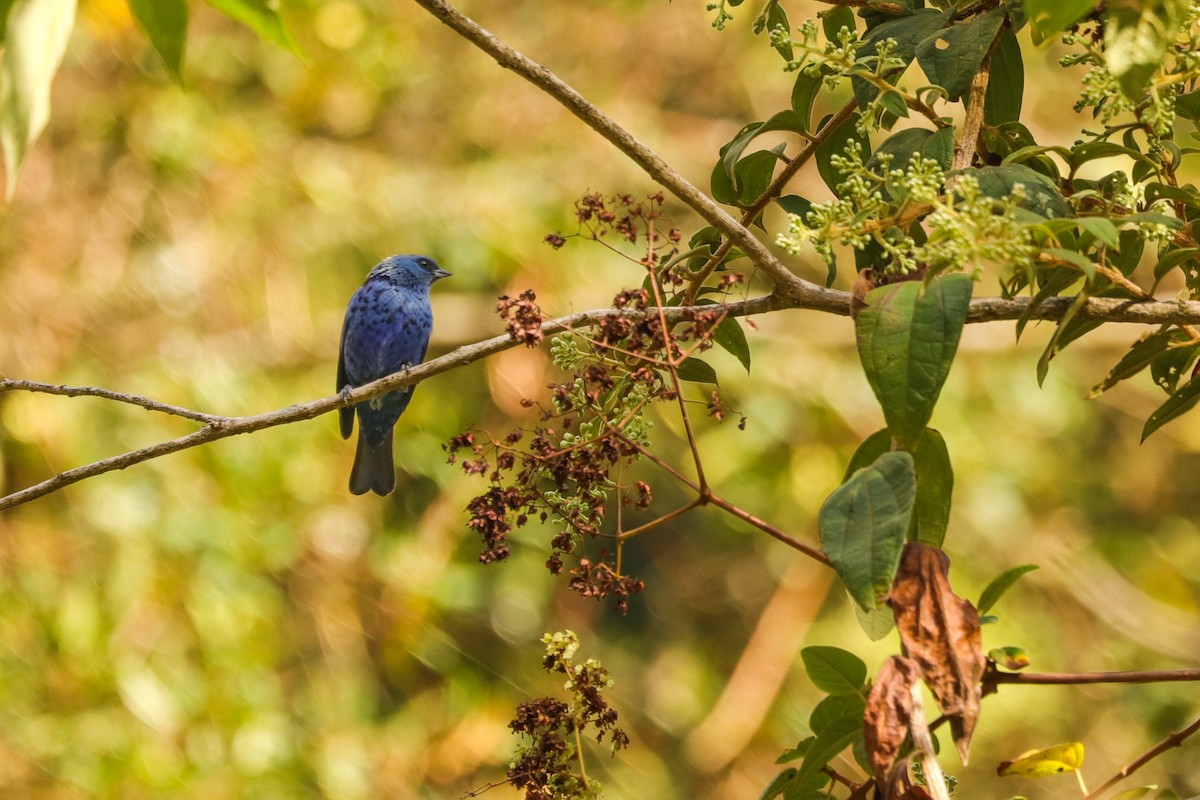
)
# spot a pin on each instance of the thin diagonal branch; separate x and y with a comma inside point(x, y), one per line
point(1174, 740)
point(7, 385)
point(624, 141)
point(1070, 678)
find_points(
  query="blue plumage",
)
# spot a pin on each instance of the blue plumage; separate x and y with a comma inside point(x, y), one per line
point(386, 329)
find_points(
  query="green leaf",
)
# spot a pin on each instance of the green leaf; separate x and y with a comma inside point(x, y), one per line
point(165, 24)
point(804, 94)
point(834, 670)
point(697, 371)
point(1179, 403)
point(863, 526)
point(829, 742)
point(876, 623)
point(1174, 259)
point(894, 102)
point(951, 57)
point(1074, 258)
point(775, 788)
point(834, 19)
point(1001, 584)
point(836, 145)
point(935, 480)
point(1136, 793)
point(1102, 229)
point(907, 337)
point(753, 174)
point(1006, 87)
point(903, 145)
point(795, 204)
point(1187, 105)
point(777, 18)
point(1065, 332)
point(730, 336)
point(837, 707)
point(260, 17)
point(1048, 17)
point(907, 31)
point(1041, 194)
point(1139, 356)
point(1175, 363)
point(36, 40)
point(1013, 658)
point(1135, 40)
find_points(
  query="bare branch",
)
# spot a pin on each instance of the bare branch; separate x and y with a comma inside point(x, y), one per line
point(1066, 678)
point(624, 141)
point(1174, 740)
point(7, 385)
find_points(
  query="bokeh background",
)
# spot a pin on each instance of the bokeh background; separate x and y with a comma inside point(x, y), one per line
point(229, 622)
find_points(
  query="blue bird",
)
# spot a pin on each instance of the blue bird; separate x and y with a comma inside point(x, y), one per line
point(386, 330)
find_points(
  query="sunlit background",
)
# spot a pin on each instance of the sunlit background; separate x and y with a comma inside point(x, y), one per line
point(231, 622)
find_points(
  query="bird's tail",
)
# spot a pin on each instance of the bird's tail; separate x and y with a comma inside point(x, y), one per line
point(373, 470)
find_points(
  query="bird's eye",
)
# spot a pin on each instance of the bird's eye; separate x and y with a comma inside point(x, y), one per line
point(426, 264)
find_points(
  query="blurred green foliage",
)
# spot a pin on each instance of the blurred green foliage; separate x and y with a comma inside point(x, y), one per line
point(230, 622)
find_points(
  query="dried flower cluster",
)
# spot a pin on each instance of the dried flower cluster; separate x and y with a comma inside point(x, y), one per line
point(522, 317)
point(544, 767)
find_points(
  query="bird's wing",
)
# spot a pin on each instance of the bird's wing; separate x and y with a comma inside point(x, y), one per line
point(346, 415)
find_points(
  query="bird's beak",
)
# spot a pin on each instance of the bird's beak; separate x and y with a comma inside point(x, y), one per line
point(440, 273)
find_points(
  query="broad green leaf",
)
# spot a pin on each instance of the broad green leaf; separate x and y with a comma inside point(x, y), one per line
point(777, 18)
point(834, 19)
point(1041, 194)
point(1006, 87)
point(789, 120)
point(795, 204)
point(1175, 363)
point(903, 145)
point(829, 742)
point(836, 145)
point(1048, 761)
point(35, 42)
point(951, 57)
point(1048, 17)
point(1136, 37)
point(1178, 404)
point(935, 480)
point(1139, 356)
point(697, 371)
point(834, 708)
point(894, 102)
point(876, 623)
point(793, 753)
point(863, 526)
point(1187, 105)
point(753, 174)
point(907, 337)
point(834, 670)
point(1173, 259)
point(1074, 258)
point(804, 94)
point(258, 15)
point(165, 24)
point(907, 31)
point(1001, 584)
point(730, 336)
point(1102, 229)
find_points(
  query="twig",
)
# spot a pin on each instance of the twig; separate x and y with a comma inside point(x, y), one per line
point(768, 528)
point(1174, 740)
point(1072, 678)
point(935, 779)
point(7, 385)
point(624, 141)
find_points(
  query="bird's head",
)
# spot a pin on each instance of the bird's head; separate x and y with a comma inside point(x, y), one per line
point(409, 270)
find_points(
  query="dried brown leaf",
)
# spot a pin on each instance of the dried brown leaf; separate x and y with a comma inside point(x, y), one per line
point(889, 711)
point(940, 631)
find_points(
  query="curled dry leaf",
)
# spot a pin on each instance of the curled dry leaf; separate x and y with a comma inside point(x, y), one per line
point(889, 711)
point(940, 631)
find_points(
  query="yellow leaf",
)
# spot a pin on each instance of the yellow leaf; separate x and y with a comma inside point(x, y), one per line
point(1048, 761)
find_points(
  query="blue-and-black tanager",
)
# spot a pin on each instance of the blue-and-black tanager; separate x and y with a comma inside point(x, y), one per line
point(386, 329)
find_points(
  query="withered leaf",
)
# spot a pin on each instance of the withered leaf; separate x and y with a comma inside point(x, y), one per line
point(940, 631)
point(889, 711)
